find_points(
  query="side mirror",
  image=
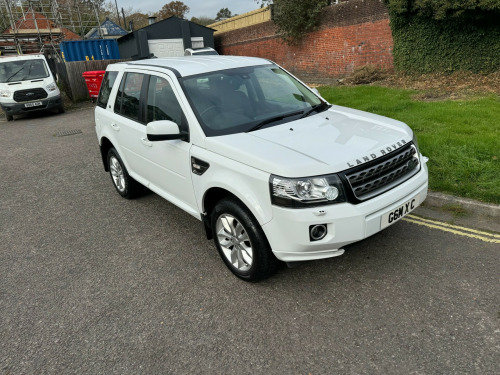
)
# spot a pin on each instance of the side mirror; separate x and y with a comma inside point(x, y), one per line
point(165, 130)
point(315, 90)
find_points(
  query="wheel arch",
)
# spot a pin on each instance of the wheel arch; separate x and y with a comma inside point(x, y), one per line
point(105, 146)
point(210, 199)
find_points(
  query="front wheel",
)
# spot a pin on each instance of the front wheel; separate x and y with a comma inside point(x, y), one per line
point(126, 186)
point(241, 242)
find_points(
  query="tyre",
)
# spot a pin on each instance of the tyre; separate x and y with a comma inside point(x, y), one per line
point(241, 242)
point(126, 186)
point(9, 117)
point(61, 109)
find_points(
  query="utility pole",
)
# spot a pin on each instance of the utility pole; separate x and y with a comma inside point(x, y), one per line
point(124, 22)
point(118, 15)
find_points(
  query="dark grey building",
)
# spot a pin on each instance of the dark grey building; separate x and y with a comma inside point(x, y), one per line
point(165, 38)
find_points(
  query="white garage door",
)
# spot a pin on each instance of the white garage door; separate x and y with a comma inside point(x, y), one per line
point(197, 42)
point(166, 47)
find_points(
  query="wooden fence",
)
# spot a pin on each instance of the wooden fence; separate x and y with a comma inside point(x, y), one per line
point(244, 20)
point(70, 74)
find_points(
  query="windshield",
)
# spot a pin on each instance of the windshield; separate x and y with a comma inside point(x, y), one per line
point(22, 70)
point(246, 99)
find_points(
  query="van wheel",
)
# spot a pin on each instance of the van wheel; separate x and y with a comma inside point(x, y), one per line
point(9, 117)
point(241, 242)
point(61, 109)
point(126, 186)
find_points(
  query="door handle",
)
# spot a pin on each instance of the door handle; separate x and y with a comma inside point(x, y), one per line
point(146, 142)
point(115, 127)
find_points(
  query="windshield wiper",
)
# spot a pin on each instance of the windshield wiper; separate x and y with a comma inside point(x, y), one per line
point(273, 119)
point(17, 71)
point(323, 106)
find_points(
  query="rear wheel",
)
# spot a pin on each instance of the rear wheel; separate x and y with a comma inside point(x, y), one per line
point(241, 242)
point(126, 186)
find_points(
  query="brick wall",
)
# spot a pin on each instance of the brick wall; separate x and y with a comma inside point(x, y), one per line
point(351, 34)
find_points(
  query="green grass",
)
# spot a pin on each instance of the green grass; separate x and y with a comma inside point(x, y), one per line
point(461, 137)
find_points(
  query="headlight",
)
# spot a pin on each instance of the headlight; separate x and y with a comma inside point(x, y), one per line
point(306, 192)
point(414, 140)
point(51, 87)
point(4, 93)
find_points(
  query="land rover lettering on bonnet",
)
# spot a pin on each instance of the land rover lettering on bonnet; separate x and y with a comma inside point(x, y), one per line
point(272, 170)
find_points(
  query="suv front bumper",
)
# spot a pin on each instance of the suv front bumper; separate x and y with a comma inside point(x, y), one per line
point(288, 231)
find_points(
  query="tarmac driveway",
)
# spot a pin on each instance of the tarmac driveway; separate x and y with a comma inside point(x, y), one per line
point(91, 283)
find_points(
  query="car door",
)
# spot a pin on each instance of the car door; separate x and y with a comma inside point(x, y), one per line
point(127, 118)
point(167, 163)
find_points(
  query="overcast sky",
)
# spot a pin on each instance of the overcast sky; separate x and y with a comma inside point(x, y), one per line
point(197, 8)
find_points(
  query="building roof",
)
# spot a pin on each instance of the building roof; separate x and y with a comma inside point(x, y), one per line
point(37, 23)
point(163, 24)
point(192, 65)
point(108, 28)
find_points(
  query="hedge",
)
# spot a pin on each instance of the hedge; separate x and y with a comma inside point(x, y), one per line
point(424, 44)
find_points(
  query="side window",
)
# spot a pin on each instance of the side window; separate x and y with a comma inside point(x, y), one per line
point(127, 99)
point(106, 87)
point(162, 103)
point(119, 96)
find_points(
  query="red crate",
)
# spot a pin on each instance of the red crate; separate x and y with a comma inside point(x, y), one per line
point(93, 79)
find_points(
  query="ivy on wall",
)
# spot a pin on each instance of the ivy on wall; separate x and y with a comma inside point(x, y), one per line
point(445, 35)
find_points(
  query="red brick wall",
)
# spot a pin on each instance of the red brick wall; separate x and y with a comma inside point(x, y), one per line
point(351, 34)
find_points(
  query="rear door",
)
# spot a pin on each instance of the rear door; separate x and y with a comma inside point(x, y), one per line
point(127, 118)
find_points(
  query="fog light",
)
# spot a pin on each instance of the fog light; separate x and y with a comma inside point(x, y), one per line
point(317, 232)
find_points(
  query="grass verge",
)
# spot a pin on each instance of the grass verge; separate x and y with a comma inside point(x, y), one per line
point(461, 137)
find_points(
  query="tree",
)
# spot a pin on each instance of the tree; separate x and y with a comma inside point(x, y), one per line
point(174, 8)
point(223, 14)
point(295, 18)
point(138, 19)
point(205, 21)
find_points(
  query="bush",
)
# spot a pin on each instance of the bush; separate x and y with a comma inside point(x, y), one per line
point(365, 75)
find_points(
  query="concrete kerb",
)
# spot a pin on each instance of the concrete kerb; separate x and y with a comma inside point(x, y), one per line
point(440, 200)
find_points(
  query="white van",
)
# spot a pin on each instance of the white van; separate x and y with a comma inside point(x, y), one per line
point(200, 51)
point(27, 85)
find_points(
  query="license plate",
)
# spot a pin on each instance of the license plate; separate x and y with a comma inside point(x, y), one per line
point(34, 104)
point(396, 214)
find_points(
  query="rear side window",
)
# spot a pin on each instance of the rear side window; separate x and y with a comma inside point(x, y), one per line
point(129, 93)
point(106, 87)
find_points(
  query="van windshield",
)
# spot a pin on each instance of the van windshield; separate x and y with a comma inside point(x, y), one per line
point(247, 99)
point(22, 70)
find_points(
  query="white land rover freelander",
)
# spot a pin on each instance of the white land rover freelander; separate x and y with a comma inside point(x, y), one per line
point(272, 170)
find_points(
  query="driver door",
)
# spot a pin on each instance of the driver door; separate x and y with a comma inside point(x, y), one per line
point(168, 166)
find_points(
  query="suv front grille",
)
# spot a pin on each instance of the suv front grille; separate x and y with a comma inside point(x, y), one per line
point(30, 94)
point(384, 174)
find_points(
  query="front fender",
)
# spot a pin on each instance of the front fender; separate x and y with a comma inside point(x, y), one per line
point(249, 185)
